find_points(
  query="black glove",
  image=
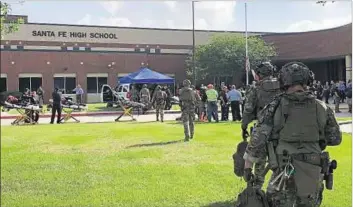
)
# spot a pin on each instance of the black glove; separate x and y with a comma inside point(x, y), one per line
point(245, 134)
point(248, 176)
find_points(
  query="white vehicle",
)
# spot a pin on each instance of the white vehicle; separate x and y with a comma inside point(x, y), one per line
point(123, 90)
point(109, 95)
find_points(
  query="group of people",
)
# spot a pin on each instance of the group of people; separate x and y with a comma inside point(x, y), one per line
point(291, 134)
point(339, 91)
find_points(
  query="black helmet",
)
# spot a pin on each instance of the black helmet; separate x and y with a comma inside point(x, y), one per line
point(295, 73)
point(264, 69)
point(158, 87)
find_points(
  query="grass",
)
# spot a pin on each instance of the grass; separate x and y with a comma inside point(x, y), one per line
point(344, 118)
point(132, 164)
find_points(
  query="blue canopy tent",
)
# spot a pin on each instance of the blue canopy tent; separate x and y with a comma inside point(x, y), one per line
point(146, 76)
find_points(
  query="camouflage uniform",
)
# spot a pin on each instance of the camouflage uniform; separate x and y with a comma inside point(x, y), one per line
point(188, 100)
point(337, 98)
point(134, 94)
point(159, 98)
point(281, 122)
point(145, 95)
point(257, 97)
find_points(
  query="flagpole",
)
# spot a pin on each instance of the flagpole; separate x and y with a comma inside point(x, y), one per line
point(246, 46)
point(193, 42)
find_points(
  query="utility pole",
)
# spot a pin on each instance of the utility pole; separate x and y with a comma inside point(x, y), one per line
point(193, 42)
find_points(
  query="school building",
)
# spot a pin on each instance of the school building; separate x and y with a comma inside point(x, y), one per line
point(66, 55)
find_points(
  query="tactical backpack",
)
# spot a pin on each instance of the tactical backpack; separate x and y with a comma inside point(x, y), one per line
point(251, 197)
point(266, 91)
point(238, 159)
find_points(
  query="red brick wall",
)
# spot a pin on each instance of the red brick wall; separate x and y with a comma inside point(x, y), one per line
point(36, 62)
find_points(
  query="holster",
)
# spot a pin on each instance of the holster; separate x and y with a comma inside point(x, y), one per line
point(238, 160)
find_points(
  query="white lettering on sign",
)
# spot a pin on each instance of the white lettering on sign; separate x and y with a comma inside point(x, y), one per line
point(74, 34)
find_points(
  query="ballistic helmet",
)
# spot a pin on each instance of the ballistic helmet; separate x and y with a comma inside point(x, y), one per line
point(193, 87)
point(144, 86)
point(265, 69)
point(295, 73)
point(158, 87)
point(186, 82)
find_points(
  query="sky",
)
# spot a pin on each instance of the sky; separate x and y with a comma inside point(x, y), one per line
point(263, 15)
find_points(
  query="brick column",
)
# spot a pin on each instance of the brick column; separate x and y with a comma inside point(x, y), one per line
point(348, 67)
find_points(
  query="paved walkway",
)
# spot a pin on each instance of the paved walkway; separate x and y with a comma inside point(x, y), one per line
point(148, 118)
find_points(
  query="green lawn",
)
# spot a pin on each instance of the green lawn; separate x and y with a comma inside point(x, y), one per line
point(132, 164)
point(344, 118)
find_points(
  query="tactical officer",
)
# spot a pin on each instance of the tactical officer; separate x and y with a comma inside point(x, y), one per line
point(134, 94)
point(188, 99)
point(145, 95)
point(295, 127)
point(257, 97)
point(160, 98)
point(56, 95)
point(337, 98)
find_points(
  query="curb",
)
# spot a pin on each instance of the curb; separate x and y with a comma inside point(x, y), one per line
point(344, 122)
point(91, 114)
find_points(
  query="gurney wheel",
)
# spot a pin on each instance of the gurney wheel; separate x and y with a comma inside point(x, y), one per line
point(134, 120)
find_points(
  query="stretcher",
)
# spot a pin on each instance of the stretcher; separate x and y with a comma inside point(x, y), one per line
point(68, 107)
point(26, 113)
point(128, 107)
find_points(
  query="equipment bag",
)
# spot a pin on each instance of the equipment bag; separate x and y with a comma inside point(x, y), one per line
point(238, 159)
point(252, 197)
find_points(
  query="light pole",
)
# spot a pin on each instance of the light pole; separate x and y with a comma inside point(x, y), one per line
point(247, 62)
point(193, 42)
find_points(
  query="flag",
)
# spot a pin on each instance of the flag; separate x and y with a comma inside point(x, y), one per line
point(247, 64)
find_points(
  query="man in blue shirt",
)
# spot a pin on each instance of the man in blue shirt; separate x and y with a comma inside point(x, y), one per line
point(79, 93)
point(234, 96)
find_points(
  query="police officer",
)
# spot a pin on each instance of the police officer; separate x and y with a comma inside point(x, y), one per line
point(188, 99)
point(257, 97)
point(295, 127)
point(56, 96)
point(160, 98)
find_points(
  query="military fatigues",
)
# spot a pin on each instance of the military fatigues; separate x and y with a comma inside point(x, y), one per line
point(337, 98)
point(160, 98)
point(188, 100)
point(145, 96)
point(256, 99)
point(296, 123)
point(134, 95)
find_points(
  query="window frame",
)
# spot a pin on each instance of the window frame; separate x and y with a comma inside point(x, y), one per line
point(30, 76)
point(96, 76)
point(3, 75)
point(65, 76)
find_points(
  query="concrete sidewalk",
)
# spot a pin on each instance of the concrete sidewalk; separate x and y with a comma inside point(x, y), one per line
point(5, 115)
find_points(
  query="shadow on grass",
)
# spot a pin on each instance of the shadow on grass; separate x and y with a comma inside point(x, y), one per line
point(155, 144)
point(221, 204)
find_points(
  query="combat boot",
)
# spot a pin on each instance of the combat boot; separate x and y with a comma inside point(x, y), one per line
point(157, 118)
point(191, 136)
point(186, 139)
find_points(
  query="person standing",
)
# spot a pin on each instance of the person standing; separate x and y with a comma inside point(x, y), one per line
point(134, 94)
point(160, 97)
point(169, 96)
point(79, 94)
point(257, 98)
point(300, 127)
point(235, 99)
point(145, 96)
point(187, 101)
point(212, 107)
point(40, 93)
point(348, 94)
point(56, 96)
point(224, 103)
point(327, 92)
point(336, 97)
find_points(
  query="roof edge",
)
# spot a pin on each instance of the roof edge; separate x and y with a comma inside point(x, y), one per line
point(306, 32)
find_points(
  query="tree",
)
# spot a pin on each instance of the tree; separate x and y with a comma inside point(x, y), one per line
point(224, 56)
point(7, 26)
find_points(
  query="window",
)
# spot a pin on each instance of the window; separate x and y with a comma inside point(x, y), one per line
point(31, 83)
point(94, 84)
point(67, 84)
point(3, 84)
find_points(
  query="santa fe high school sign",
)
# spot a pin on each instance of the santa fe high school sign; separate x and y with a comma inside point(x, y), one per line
point(64, 34)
